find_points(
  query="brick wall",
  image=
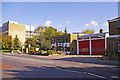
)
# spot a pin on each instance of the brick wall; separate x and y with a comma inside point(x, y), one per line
point(113, 28)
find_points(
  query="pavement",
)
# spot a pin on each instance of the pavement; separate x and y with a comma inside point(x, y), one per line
point(67, 66)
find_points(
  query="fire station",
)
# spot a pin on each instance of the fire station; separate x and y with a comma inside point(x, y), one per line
point(92, 44)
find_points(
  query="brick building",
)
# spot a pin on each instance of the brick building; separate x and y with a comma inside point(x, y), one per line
point(114, 39)
point(92, 44)
point(66, 43)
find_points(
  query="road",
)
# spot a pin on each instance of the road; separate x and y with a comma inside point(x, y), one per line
point(34, 66)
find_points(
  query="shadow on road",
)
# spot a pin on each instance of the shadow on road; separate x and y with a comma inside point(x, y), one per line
point(43, 72)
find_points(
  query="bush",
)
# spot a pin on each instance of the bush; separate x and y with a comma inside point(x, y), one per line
point(31, 48)
point(50, 52)
point(41, 51)
point(14, 51)
point(20, 50)
point(6, 51)
point(31, 52)
point(37, 52)
point(60, 52)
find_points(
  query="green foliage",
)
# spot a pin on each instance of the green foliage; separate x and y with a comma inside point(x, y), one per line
point(65, 30)
point(0, 41)
point(16, 43)
point(50, 52)
point(32, 49)
point(44, 38)
point(7, 42)
point(41, 51)
point(31, 52)
point(14, 51)
point(49, 31)
point(88, 31)
point(6, 51)
point(45, 44)
point(60, 52)
point(10, 42)
point(60, 33)
point(37, 52)
point(30, 41)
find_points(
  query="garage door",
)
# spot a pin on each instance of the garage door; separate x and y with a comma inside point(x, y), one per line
point(98, 46)
point(84, 47)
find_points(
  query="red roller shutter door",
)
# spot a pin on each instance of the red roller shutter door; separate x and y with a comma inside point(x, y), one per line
point(98, 47)
point(84, 47)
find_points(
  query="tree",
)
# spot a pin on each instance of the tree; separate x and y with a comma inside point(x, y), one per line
point(101, 31)
point(16, 43)
point(10, 42)
point(40, 28)
point(4, 42)
point(60, 33)
point(45, 34)
point(30, 41)
point(50, 31)
point(88, 31)
point(0, 40)
point(65, 30)
point(7, 42)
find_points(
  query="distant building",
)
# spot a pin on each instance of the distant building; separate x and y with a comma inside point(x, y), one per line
point(22, 31)
point(66, 43)
point(114, 39)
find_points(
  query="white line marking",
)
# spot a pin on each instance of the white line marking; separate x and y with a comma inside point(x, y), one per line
point(83, 72)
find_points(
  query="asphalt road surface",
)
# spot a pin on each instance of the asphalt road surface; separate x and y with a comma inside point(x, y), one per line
point(29, 66)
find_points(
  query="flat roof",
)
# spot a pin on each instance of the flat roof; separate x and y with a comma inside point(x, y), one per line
point(97, 34)
point(114, 19)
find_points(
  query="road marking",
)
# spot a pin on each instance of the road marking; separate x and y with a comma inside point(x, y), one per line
point(84, 73)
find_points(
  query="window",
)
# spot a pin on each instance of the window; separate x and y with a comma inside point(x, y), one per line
point(27, 34)
point(119, 25)
point(4, 28)
point(118, 45)
point(72, 49)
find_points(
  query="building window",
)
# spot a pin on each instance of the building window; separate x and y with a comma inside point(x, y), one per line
point(27, 34)
point(118, 45)
point(119, 25)
point(72, 49)
point(4, 28)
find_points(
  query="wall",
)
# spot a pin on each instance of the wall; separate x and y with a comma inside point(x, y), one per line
point(73, 43)
point(113, 28)
point(113, 48)
point(19, 30)
point(113, 42)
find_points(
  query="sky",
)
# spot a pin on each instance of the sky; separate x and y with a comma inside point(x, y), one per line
point(75, 16)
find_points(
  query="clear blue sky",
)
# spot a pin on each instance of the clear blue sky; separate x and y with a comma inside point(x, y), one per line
point(76, 16)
